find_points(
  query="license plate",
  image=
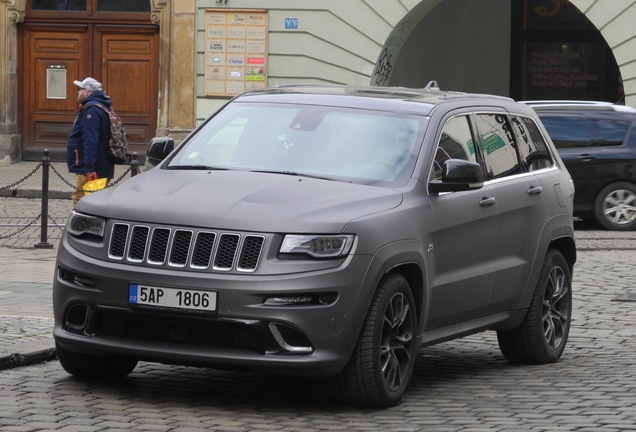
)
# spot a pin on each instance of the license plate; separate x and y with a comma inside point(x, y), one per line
point(174, 298)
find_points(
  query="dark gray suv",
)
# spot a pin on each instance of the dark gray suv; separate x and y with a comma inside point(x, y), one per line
point(325, 231)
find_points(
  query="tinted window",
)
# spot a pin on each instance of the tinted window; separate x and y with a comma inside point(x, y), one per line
point(456, 142)
point(102, 5)
point(71, 5)
point(572, 132)
point(498, 145)
point(123, 6)
point(533, 149)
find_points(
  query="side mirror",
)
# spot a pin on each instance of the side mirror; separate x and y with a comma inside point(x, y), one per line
point(458, 175)
point(158, 149)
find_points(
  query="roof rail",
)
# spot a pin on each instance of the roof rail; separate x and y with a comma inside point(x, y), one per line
point(578, 105)
point(566, 102)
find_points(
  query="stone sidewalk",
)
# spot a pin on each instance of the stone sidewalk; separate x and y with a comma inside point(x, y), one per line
point(27, 258)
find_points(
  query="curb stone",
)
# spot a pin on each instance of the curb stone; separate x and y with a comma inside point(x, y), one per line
point(29, 359)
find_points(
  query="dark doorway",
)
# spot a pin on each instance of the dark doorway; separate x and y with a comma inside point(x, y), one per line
point(557, 53)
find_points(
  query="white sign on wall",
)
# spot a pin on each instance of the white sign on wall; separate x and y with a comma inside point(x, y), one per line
point(235, 51)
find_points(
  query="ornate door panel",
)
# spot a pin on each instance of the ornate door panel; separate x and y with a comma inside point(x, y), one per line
point(128, 63)
point(55, 56)
point(123, 58)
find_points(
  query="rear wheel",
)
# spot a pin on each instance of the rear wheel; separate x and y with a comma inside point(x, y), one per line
point(95, 367)
point(615, 207)
point(382, 362)
point(542, 336)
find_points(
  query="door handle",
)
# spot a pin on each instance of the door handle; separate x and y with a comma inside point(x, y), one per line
point(586, 157)
point(487, 201)
point(535, 190)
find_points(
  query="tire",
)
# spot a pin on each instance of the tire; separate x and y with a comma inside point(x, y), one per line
point(542, 336)
point(381, 365)
point(615, 207)
point(94, 367)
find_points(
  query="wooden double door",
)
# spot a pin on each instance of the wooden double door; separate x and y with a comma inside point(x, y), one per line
point(124, 58)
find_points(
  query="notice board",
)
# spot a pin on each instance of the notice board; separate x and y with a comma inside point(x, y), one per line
point(235, 51)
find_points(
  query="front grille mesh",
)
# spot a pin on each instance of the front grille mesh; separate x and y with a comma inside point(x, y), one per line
point(197, 332)
point(185, 248)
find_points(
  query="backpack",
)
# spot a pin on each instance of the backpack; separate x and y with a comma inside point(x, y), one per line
point(118, 139)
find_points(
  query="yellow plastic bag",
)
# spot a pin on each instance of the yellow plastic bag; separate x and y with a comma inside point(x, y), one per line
point(94, 185)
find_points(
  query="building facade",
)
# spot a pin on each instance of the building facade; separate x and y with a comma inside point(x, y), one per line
point(168, 64)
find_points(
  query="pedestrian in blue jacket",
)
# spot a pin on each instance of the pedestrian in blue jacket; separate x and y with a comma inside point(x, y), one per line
point(87, 154)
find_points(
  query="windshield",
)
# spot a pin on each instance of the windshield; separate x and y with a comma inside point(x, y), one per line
point(354, 145)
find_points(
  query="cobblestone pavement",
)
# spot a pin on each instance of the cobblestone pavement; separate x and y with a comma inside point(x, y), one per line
point(464, 385)
point(21, 223)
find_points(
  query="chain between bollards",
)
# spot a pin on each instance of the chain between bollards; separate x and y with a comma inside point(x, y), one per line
point(46, 163)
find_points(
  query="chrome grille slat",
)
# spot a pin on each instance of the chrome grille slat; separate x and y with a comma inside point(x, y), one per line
point(202, 254)
point(159, 246)
point(138, 240)
point(226, 252)
point(118, 241)
point(181, 248)
point(250, 253)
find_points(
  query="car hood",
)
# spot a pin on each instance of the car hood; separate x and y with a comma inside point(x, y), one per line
point(239, 200)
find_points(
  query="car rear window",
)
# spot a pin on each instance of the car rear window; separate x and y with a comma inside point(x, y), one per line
point(579, 131)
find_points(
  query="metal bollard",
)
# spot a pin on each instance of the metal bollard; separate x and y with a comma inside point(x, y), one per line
point(134, 165)
point(44, 244)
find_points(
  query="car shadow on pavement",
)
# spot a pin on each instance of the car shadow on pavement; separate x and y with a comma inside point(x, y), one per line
point(586, 225)
point(439, 366)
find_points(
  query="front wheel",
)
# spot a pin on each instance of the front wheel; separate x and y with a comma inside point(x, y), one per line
point(94, 367)
point(615, 207)
point(382, 362)
point(542, 336)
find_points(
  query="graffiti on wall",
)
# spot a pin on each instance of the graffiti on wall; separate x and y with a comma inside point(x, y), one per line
point(384, 65)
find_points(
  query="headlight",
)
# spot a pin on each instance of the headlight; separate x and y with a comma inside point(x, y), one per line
point(317, 246)
point(80, 224)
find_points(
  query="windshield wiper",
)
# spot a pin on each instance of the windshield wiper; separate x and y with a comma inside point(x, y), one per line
point(293, 173)
point(196, 167)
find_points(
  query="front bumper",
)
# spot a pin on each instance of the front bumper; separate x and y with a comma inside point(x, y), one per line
point(92, 315)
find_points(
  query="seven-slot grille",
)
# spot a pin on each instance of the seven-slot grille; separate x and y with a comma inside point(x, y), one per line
point(185, 248)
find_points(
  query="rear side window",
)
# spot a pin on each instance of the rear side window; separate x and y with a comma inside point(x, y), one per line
point(498, 145)
point(533, 149)
point(578, 131)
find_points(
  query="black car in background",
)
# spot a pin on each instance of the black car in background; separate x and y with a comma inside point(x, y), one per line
point(597, 142)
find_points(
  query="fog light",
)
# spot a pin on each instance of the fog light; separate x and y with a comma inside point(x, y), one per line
point(317, 299)
point(290, 300)
point(77, 279)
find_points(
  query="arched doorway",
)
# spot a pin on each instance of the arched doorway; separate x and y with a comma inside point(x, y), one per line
point(60, 41)
point(535, 49)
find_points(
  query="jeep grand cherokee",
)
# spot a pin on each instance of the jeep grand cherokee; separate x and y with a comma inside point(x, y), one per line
point(325, 231)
